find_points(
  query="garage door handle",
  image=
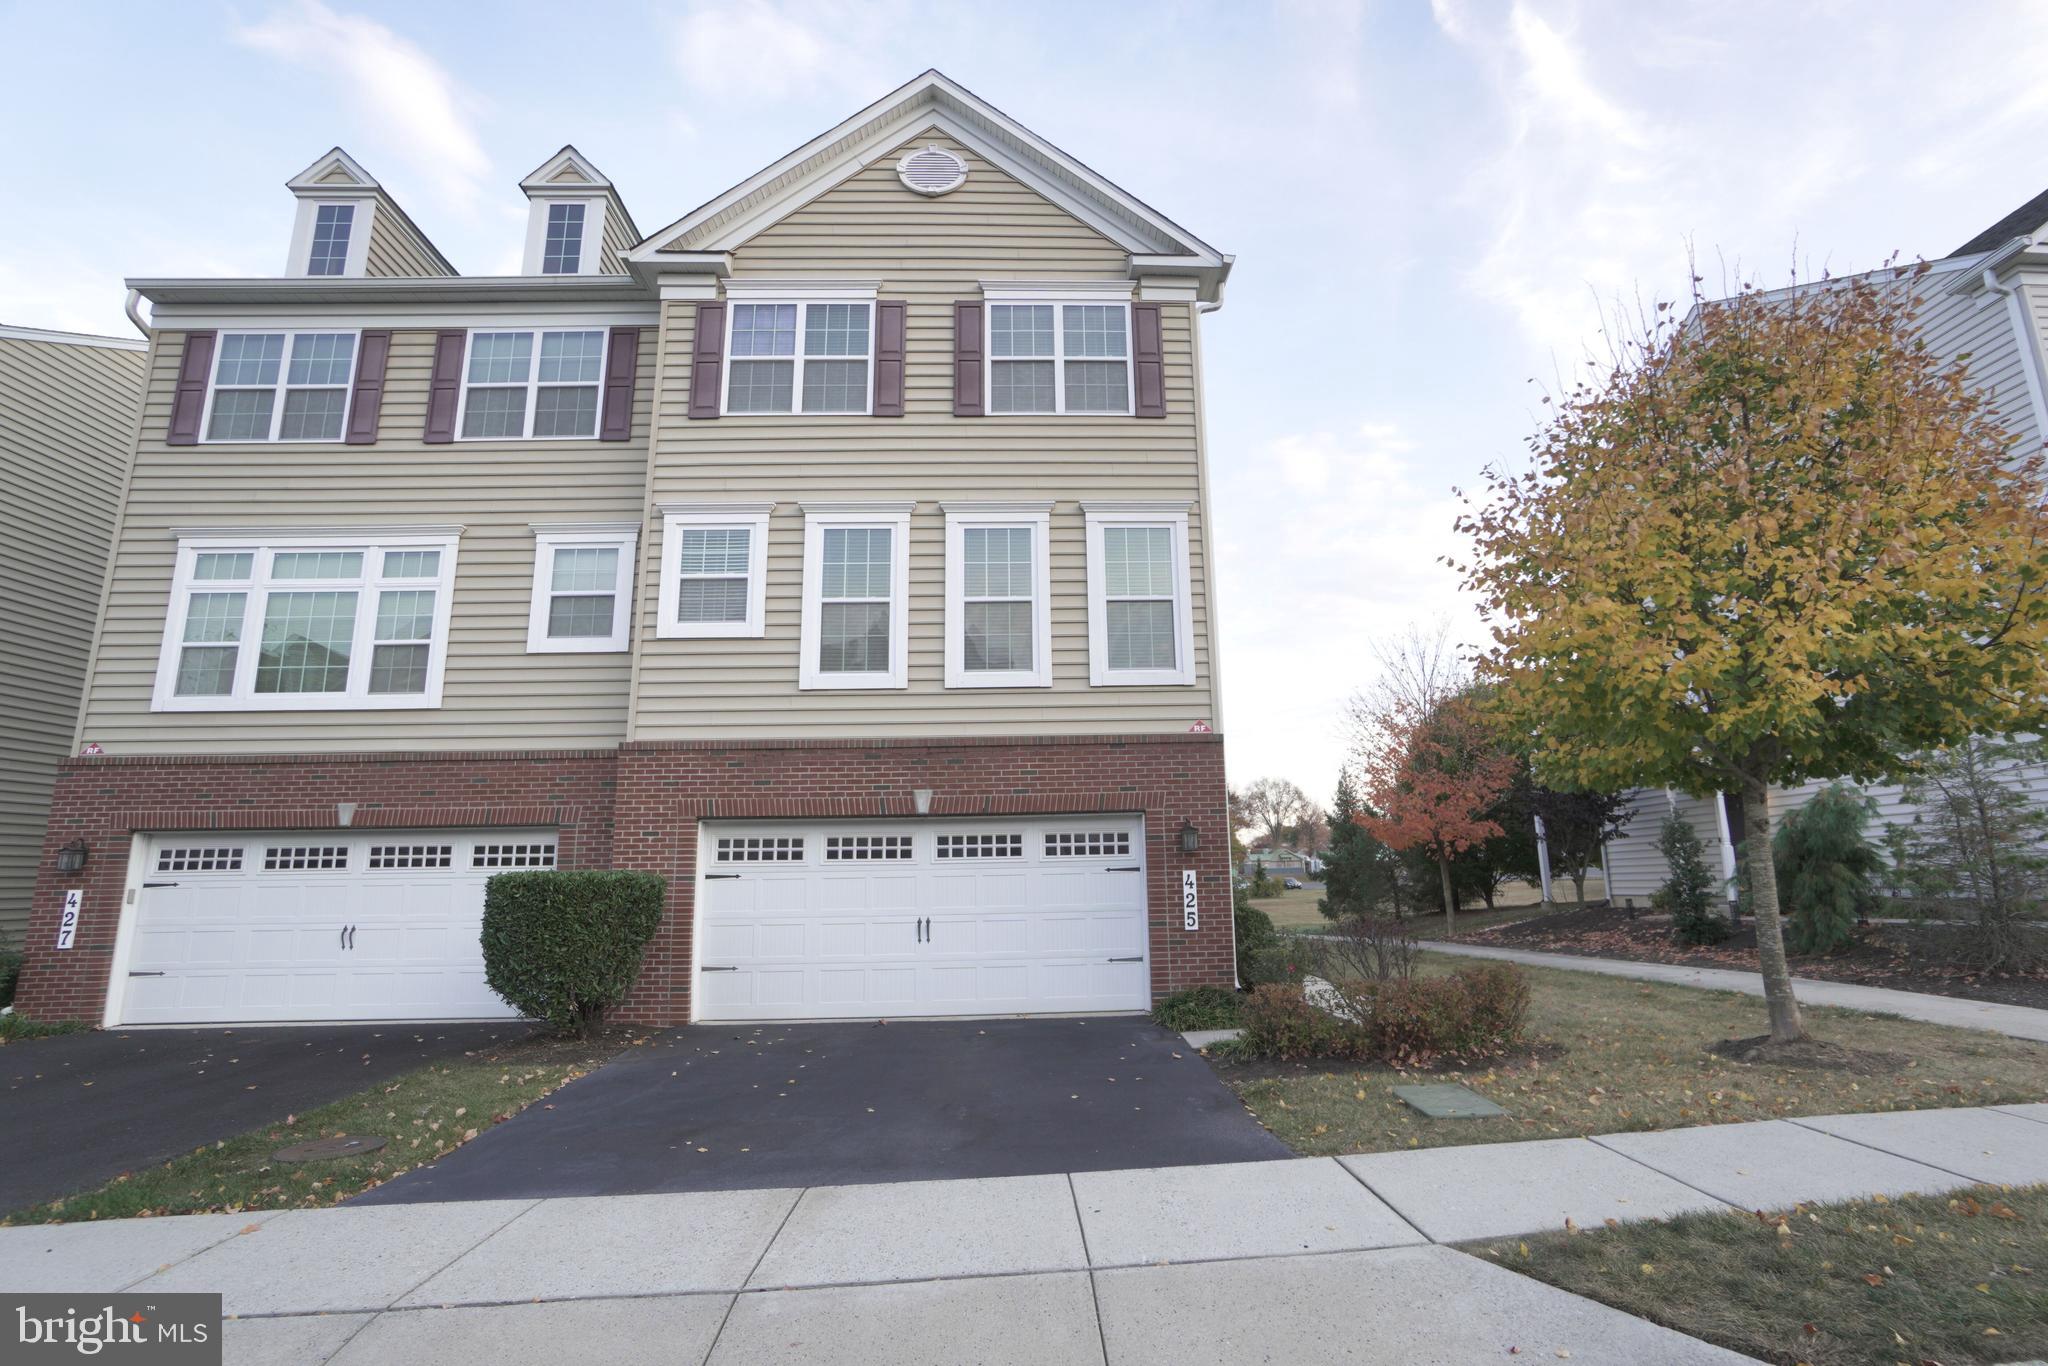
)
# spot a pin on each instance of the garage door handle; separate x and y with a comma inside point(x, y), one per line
point(1134, 868)
point(710, 876)
point(1138, 959)
point(145, 974)
point(147, 885)
point(708, 968)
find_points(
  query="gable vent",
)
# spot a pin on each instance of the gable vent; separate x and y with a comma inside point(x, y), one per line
point(932, 171)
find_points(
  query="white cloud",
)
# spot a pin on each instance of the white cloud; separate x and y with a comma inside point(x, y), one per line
point(407, 100)
point(757, 51)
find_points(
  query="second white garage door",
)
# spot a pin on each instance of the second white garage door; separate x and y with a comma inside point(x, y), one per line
point(902, 918)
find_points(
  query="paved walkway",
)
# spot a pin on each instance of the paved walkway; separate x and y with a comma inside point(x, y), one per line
point(2021, 1022)
point(1309, 1260)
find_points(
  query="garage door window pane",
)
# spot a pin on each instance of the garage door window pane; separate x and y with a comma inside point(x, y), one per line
point(306, 642)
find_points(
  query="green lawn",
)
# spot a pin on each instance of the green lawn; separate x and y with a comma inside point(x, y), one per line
point(1953, 1279)
point(425, 1114)
point(1296, 913)
point(1612, 1055)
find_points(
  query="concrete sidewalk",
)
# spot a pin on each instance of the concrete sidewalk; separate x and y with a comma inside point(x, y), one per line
point(1307, 1260)
point(2021, 1022)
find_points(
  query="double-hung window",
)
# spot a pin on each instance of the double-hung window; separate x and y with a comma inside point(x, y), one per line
point(799, 356)
point(1057, 356)
point(562, 249)
point(304, 624)
point(997, 596)
point(856, 568)
point(280, 386)
point(1140, 626)
point(714, 558)
point(532, 383)
point(332, 225)
point(582, 589)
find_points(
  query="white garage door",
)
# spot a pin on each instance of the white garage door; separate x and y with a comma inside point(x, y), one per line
point(317, 926)
point(900, 918)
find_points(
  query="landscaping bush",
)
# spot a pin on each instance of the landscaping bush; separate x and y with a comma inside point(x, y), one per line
point(10, 972)
point(1976, 850)
point(1199, 1008)
point(1471, 1013)
point(1688, 896)
point(564, 946)
point(1824, 867)
point(1255, 936)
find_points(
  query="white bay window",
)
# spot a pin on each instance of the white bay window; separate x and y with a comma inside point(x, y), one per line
point(998, 631)
point(306, 624)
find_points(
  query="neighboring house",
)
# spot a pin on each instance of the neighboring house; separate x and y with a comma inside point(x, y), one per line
point(839, 551)
point(1988, 301)
point(1281, 863)
point(67, 426)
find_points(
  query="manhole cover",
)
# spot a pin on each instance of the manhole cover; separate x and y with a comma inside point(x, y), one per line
point(322, 1148)
point(1448, 1101)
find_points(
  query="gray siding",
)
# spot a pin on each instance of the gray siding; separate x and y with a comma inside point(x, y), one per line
point(930, 253)
point(496, 694)
point(67, 424)
point(1978, 329)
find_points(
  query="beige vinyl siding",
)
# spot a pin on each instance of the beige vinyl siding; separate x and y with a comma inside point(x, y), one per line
point(496, 695)
point(396, 247)
point(1635, 868)
point(67, 424)
point(930, 253)
point(618, 238)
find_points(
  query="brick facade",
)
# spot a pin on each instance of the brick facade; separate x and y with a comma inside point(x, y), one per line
point(635, 807)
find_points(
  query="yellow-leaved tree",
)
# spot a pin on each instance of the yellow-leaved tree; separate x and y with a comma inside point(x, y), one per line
point(1779, 540)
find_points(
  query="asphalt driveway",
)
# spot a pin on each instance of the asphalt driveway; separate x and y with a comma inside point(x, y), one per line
point(79, 1109)
point(730, 1107)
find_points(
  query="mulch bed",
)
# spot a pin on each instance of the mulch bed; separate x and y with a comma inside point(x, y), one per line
point(1902, 957)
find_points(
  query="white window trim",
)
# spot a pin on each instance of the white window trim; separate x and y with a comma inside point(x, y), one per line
point(817, 519)
point(357, 697)
point(533, 381)
point(593, 233)
point(1175, 517)
point(284, 365)
point(625, 538)
point(678, 518)
point(855, 294)
point(1037, 518)
point(300, 264)
point(1059, 301)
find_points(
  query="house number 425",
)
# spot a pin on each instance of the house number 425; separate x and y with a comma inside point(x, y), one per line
point(1190, 914)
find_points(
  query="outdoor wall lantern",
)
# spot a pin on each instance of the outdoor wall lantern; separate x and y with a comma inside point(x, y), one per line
point(71, 857)
point(1189, 837)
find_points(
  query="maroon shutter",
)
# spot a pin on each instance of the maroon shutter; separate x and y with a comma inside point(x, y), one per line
point(1148, 361)
point(444, 384)
point(707, 360)
point(889, 358)
point(367, 400)
point(621, 370)
point(190, 400)
point(967, 353)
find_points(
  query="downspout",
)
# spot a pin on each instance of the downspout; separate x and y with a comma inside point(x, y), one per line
point(135, 314)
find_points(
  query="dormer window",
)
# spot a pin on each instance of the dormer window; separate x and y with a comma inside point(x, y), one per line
point(562, 253)
point(332, 225)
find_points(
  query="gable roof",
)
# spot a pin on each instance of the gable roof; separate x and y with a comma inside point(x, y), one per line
point(931, 100)
point(2024, 221)
point(566, 171)
point(335, 172)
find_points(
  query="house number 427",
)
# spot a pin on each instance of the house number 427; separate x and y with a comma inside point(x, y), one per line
point(1190, 914)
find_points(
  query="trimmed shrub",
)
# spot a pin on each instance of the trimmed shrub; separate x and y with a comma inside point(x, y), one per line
point(1687, 896)
point(1199, 1008)
point(564, 946)
point(1825, 867)
point(1255, 935)
point(10, 973)
point(1472, 1013)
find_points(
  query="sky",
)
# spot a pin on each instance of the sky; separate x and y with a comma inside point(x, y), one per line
point(1433, 206)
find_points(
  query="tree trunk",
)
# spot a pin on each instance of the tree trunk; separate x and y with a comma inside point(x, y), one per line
point(1579, 888)
point(1770, 933)
point(1443, 868)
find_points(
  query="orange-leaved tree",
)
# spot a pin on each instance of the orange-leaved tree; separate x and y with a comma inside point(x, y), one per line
point(1782, 540)
point(1429, 782)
